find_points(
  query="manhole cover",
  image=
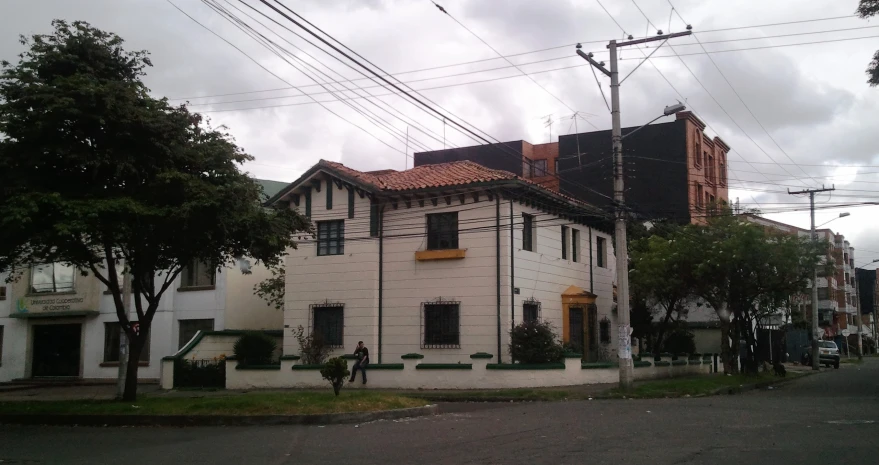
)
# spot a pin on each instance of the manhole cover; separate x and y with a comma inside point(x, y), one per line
point(851, 422)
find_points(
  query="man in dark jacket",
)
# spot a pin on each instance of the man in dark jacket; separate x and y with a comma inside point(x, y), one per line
point(362, 354)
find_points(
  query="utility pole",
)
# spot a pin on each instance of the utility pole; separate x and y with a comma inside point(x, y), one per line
point(858, 314)
point(123, 336)
point(624, 329)
point(814, 237)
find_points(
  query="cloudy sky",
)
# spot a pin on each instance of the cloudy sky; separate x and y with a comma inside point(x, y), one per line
point(796, 116)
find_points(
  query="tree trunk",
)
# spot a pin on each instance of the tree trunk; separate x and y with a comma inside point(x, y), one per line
point(135, 347)
point(662, 329)
point(725, 352)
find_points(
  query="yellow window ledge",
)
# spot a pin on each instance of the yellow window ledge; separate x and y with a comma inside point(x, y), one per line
point(449, 254)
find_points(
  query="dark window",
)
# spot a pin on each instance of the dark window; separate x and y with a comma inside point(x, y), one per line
point(331, 237)
point(329, 194)
point(329, 322)
point(197, 274)
point(575, 245)
point(308, 203)
point(2, 292)
point(442, 231)
point(823, 294)
point(528, 232)
point(538, 168)
point(350, 203)
point(112, 335)
point(1, 344)
point(530, 311)
point(188, 328)
point(555, 164)
point(564, 242)
point(373, 220)
point(601, 246)
point(604, 331)
point(441, 325)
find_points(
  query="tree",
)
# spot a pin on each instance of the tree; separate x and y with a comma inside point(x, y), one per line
point(272, 289)
point(745, 272)
point(868, 9)
point(95, 171)
point(336, 372)
point(662, 274)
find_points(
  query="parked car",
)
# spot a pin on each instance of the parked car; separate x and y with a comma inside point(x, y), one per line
point(828, 354)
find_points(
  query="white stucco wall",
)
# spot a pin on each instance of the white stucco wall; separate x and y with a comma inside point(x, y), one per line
point(352, 279)
point(478, 377)
point(175, 305)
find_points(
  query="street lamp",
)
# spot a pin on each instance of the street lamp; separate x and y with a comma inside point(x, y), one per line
point(669, 110)
point(841, 215)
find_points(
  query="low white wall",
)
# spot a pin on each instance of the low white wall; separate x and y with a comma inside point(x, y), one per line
point(446, 376)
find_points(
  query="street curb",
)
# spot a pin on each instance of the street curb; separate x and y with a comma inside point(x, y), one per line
point(732, 390)
point(214, 420)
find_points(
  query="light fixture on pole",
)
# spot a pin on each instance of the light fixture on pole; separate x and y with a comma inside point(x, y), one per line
point(841, 215)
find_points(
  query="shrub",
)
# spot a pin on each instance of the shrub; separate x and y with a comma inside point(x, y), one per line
point(336, 372)
point(535, 342)
point(312, 348)
point(255, 348)
point(679, 341)
point(200, 373)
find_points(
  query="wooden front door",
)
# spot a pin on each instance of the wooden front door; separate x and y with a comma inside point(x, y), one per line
point(575, 319)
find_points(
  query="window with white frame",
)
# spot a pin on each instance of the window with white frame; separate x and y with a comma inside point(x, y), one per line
point(52, 277)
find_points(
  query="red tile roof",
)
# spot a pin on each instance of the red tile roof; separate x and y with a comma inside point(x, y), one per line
point(458, 173)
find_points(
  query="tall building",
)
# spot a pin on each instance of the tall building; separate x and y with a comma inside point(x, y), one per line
point(673, 170)
point(837, 284)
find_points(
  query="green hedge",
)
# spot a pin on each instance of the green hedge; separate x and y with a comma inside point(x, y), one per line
point(444, 366)
point(525, 366)
point(661, 363)
point(384, 366)
point(412, 357)
point(482, 355)
point(597, 365)
point(308, 367)
point(678, 362)
point(642, 364)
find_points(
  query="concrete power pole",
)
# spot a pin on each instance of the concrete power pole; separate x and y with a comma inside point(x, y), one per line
point(814, 238)
point(624, 329)
point(858, 315)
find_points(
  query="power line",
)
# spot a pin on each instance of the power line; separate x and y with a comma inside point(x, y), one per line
point(443, 10)
point(699, 81)
point(739, 97)
point(564, 57)
point(285, 81)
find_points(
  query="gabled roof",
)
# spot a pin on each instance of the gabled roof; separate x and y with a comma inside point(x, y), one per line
point(270, 188)
point(457, 174)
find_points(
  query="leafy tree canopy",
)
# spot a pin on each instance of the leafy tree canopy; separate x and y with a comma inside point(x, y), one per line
point(868, 9)
point(94, 170)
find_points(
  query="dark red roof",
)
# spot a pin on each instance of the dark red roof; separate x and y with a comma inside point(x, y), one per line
point(458, 173)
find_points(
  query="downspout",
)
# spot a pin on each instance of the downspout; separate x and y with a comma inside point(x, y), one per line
point(591, 269)
point(381, 278)
point(512, 272)
point(497, 222)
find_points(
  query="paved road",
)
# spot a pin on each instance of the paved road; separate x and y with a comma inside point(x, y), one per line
point(832, 417)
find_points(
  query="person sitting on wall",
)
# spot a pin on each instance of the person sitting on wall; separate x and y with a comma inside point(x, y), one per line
point(362, 354)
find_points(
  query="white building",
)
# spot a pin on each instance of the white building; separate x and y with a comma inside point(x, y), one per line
point(442, 260)
point(56, 323)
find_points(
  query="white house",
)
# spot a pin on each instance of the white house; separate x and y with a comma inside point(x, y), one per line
point(442, 260)
point(56, 323)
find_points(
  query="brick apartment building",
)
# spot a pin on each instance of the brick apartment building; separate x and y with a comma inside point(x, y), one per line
point(673, 170)
point(838, 300)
